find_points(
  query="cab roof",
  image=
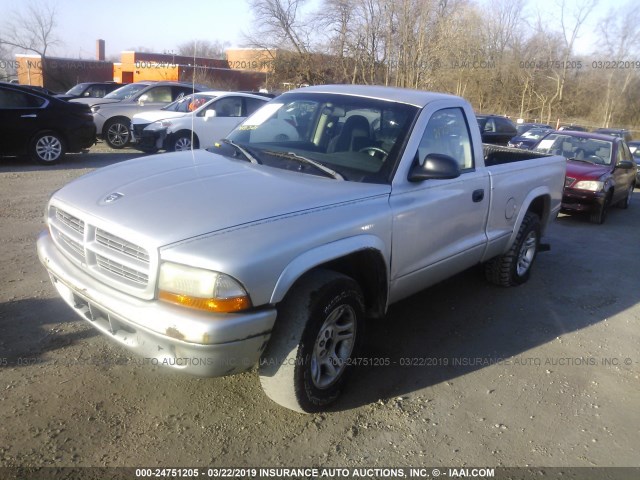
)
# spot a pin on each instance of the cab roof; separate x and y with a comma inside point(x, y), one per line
point(418, 98)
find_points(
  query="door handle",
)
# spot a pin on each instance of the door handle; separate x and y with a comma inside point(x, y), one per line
point(478, 195)
point(31, 115)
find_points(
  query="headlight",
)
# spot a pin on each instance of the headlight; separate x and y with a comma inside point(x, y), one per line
point(160, 125)
point(95, 108)
point(201, 289)
point(592, 186)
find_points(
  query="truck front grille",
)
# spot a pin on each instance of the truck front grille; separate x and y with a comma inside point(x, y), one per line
point(110, 258)
point(121, 245)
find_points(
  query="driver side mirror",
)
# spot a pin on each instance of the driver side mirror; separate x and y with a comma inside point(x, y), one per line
point(436, 166)
point(625, 165)
point(209, 114)
point(143, 98)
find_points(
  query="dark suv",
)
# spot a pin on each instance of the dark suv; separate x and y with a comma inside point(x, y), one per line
point(496, 129)
point(90, 90)
point(41, 125)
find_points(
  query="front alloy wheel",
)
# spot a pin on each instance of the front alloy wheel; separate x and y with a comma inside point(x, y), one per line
point(333, 346)
point(316, 337)
point(182, 142)
point(117, 134)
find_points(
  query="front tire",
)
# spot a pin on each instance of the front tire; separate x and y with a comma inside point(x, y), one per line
point(116, 133)
point(626, 201)
point(514, 267)
point(318, 333)
point(599, 215)
point(181, 142)
point(47, 148)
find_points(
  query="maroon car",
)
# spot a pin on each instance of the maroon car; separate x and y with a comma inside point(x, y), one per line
point(600, 171)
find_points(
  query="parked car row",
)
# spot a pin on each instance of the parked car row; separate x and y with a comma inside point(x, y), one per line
point(177, 114)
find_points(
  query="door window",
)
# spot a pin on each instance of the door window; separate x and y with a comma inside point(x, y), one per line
point(228, 107)
point(12, 99)
point(447, 133)
point(253, 104)
point(159, 94)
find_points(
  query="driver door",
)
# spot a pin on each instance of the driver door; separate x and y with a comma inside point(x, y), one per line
point(439, 226)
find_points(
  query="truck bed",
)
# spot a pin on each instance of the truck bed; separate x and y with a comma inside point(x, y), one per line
point(497, 155)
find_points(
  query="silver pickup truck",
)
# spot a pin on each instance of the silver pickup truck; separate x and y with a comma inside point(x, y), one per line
point(275, 247)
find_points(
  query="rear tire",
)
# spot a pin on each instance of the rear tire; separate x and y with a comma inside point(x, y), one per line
point(47, 148)
point(317, 335)
point(514, 267)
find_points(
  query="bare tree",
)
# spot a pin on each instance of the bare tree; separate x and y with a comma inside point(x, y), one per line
point(570, 28)
point(203, 49)
point(621, 36)
point(32, 31)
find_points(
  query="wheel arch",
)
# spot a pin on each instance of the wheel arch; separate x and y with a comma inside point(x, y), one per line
point(360, 258)
point(109, 120)
point(538, 201)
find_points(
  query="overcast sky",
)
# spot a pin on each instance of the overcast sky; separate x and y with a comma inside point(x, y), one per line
point(162, 25)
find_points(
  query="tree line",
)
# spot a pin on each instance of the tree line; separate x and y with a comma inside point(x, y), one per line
point(502, 55)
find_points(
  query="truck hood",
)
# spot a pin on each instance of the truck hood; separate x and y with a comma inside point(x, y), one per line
point(586, 171)
point(155, 115)
point(164, 199)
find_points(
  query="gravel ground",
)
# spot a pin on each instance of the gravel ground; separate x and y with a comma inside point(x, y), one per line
point(545, 374)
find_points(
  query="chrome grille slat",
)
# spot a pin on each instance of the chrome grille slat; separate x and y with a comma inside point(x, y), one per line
point(73, 245)
point(121, 245)
point(70, 221)
point(121, 270)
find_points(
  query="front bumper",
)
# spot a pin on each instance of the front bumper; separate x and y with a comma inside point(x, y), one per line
point(150, 140)
point(199, 343)
point(582, 200)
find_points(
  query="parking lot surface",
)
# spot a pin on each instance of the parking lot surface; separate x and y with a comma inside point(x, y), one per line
point(463, 373)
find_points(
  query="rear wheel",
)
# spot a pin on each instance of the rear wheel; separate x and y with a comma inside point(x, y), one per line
point(514, 267)
point(47, 148)
point(317, 335)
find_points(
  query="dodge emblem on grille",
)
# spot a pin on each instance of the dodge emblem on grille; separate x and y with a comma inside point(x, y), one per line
point(112, 197)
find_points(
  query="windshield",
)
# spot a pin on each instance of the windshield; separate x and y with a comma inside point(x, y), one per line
point(78, 89)
point(358, 139)
point(127, 91)
point(189, 103)
point(535, 133)
point(576, 148)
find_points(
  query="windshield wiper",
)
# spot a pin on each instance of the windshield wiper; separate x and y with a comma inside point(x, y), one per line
point(243, 151)
point(301, 159)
